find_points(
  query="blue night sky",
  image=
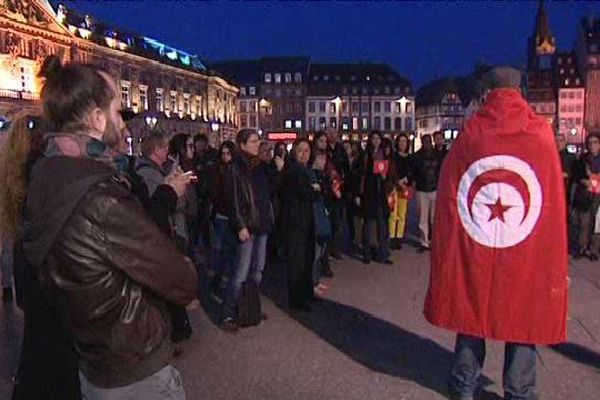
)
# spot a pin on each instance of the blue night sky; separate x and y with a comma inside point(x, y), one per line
point(422, 40)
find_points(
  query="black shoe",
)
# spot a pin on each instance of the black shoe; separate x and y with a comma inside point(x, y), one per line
point(593, 257)
point(306, 307)
point(387, 261)
point(422, 249)
point(366, 260)
point(7, 294)
point(229, 325)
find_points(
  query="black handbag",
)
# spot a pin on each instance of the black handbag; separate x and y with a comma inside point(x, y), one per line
point(249, 311)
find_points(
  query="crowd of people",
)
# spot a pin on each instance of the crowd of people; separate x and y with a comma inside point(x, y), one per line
point(107, 248)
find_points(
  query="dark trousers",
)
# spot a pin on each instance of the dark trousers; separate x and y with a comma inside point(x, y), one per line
point(299, 252)
point(519, 368)
point(381, 220)
point(338, 217)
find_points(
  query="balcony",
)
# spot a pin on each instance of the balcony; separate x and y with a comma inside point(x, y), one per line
point(18, 95)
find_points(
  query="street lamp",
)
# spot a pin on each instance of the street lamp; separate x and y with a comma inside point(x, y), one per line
point(151, 121)
point(337, 101)
point(214, 126)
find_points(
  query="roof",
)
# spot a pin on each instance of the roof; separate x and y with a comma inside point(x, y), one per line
point(542, 29)
point(357, 73)
point(590, 27)
point(567, 72)
point(135, 43)
point(242, 72)
point(285, 64)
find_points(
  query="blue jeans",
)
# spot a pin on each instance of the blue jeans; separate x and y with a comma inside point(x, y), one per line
point(519, 368)
point(317, 264)
point(7, 264)
point(250, 262)
point(223, 246)
point(165, 384)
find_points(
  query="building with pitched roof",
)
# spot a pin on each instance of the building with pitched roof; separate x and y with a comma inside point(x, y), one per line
point(571, 98)
point(587, 51)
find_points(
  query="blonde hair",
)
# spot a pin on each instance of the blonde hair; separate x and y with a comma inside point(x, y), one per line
point(13, 176)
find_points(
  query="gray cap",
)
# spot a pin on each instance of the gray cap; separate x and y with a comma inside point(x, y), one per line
point(502, 77)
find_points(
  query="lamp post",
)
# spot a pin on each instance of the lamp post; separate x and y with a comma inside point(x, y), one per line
point(151, 122)
point(337, 101)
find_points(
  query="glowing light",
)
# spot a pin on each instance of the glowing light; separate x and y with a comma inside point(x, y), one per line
point(85, 33)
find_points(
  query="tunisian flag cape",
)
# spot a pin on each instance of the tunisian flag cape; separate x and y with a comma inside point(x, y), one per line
point(499, 259)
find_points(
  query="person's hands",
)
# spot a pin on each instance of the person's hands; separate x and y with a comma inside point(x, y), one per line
point(179, 181)
point(244, 235)
point(316, 187)
point(279, 163)
point(357, 201)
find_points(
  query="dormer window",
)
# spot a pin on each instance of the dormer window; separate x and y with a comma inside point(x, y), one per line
point(267, 78)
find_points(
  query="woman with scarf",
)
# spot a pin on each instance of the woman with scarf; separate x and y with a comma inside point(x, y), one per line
point(250, 215)
point(377, 176)
point(298, 192)
point(402, 192)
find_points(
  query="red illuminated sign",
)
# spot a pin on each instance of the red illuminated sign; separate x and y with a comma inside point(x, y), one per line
point(283, 135)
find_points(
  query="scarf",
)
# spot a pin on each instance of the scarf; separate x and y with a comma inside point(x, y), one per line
point(84, 146)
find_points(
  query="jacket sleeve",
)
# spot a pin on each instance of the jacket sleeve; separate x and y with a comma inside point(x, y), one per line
point(232, 188)
point(161, 205)
point(136, 246)
point(153, 179)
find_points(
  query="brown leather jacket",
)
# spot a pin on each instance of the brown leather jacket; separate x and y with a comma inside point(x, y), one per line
point(108, 271)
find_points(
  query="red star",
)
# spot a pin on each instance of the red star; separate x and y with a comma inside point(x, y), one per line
point(498, 210)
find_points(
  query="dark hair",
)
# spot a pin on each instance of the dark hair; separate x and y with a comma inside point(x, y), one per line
point(591, 135)
point(177, 145)
point(318, 136)
point(297, 143)
point(200, 137)
point(277, 148)
point(243, 136)
point(319, 152)
point(71, 92)
point(229, 145)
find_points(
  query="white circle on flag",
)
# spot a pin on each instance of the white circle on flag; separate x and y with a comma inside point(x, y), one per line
point(497, 215)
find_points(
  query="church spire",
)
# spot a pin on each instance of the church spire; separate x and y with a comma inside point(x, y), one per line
point(545, 43)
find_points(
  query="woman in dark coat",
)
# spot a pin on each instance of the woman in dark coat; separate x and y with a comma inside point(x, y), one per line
point(377, 177)
point(298, 192)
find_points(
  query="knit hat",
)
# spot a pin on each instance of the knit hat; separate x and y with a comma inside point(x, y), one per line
point(502, 77)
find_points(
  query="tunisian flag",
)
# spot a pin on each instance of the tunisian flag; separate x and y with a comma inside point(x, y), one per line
point(499, 259)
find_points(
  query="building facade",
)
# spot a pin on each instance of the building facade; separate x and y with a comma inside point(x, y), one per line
point(587, 50)
point(540, 77)
point(357, 98)
point(167, 88)
point(571, 98)
point(440, 108)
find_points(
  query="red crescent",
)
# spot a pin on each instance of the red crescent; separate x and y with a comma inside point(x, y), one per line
point(500, 176)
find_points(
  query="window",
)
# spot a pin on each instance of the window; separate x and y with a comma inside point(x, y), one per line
point(253, 121)
point(563, 108)
point(298, 92)
point(354, 123)
point(298, 77)
point(252, 106)
point(571, 108)
point(377, 123)
point(571, 95)
point(278, 93)
point(173, 101)
point(365, 107)
point(333, 122)
point(198, 105)
point(243, 91)
point(332, 108)
point(243, 120)
point(322, 123)
point(398, 123)
point(311, 106)
point(312, 123)
point(344, 107)
point(252, 91)
point(567, 82)
point(322, 106)
point(126, 94)
point(267, 78)
point(387, 90)
point(298, 124)
point(288, 77)
point(578, 108)
point(387, 107)
point(186, 104)
point(354, 107)
point(578, 121)
point(27, 79)
point(288, 123)
point(277, 78)
point(344, 90)
point(160, 106)
point(387, 123)
point(408, 123)
point(397, 108)
point(409, 109)
point(365, 123)
point(242, 106)
point(377, 108)
point(144, 97)
point(563, 95)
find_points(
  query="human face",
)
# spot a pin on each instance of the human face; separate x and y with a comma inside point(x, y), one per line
point(427, 145)
point(402, 144)
point(252, 145)
point(302, 153)
point(189, 148)
point(593, 145)
point(322, 143)
point(438, 138)
point(265, 153)
point(226, 155)
point(348, 149)
point(200, 147)
point(161, 153)
point(319, 162)
point(332, 137)
point(376, 141)
point(561, 142)
point(114, 127)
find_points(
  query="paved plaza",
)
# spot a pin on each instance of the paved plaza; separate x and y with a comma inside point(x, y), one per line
point(367, 339)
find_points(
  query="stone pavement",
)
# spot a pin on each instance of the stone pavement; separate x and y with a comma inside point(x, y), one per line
point(366, 340)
